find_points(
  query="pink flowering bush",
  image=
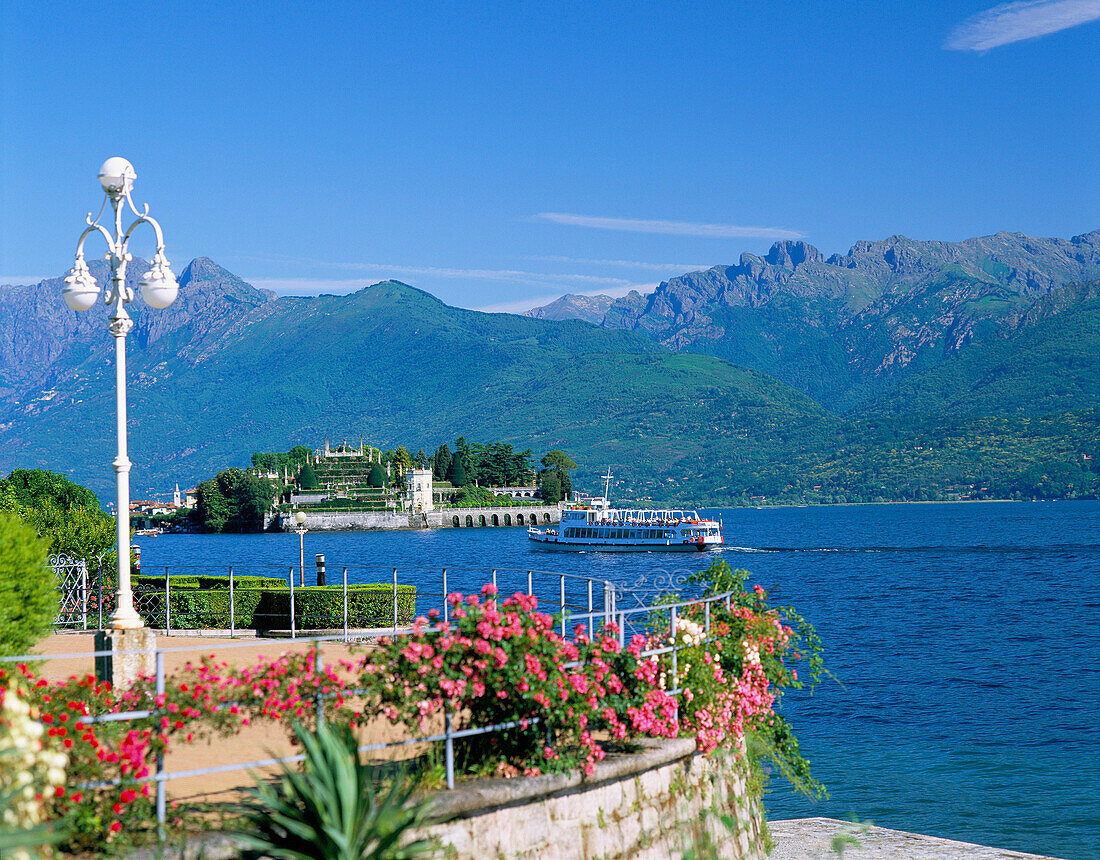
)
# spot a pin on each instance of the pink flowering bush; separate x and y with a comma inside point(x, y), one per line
point(501, 661)
point(733, 677)
point(199, 701)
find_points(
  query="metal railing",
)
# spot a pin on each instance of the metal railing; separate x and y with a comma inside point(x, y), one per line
point(638, 618)
point(411, 591)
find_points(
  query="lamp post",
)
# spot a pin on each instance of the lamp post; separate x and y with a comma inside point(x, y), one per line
point(159, 290)
point(300, 519)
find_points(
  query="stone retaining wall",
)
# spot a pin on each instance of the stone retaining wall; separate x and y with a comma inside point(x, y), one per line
point(649, 805)
point(322, 521)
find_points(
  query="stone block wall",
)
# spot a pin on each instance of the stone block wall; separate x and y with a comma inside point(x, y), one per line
point(649, 805)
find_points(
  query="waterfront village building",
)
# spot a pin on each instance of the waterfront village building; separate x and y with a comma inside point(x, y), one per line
point(418, 484)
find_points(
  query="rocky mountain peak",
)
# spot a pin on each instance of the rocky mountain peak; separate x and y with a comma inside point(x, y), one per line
point(791, 254)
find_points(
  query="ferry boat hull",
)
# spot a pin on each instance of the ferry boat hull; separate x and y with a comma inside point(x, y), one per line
point(547, 544)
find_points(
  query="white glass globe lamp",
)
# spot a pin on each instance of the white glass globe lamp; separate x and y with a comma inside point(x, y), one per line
point(158, 285)
point(117, 175)
point(80, 291)
point(300, 517)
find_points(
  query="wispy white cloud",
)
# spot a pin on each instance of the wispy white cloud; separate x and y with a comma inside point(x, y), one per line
point(1014, 22)
point(383, 270)
point(625, 264)
point(511, 275)
point(670, 228)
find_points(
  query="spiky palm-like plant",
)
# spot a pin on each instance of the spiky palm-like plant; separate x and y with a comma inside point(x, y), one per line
point(331, 809)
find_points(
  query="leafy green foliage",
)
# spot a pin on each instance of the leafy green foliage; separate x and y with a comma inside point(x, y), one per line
point(441, 462)
point(81, 531)
point(234, 501)
point(554, 479)
point(332, 809)
point(458, 476)
point(263, 603)
point(32, 486)
point(28, 593)
point(377, 476)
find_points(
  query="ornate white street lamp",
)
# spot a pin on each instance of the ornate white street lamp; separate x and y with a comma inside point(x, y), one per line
point(158, 289)
point(300, 519)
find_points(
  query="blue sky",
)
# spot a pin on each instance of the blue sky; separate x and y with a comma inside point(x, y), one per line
point(499, 155)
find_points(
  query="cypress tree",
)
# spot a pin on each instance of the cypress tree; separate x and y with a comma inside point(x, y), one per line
point(307, 478)
point(458, 476)
point(377, 477)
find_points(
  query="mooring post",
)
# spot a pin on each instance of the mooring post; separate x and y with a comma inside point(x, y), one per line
point(320, 569)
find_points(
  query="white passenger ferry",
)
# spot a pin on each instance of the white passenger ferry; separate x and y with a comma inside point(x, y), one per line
point(598, 527)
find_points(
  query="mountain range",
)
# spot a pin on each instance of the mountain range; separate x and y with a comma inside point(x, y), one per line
point(902, 369)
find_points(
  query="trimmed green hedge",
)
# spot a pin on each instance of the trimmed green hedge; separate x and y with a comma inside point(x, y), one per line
point(263, 603)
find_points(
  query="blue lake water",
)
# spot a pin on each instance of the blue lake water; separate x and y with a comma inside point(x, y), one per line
point(965, 640)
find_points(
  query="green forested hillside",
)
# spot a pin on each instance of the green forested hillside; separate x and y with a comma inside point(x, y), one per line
point(1012, 409)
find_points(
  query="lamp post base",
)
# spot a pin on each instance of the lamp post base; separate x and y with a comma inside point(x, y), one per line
point(133, 654)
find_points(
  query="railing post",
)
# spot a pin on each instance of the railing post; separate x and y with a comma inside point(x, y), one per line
point(162, 788)
point(494, 577)
point(345, 604)
point(530, 583)
point(395, 601)
point(318, 700)
point(232, 606)
point(446, 605)
point(167, 604)
point(100, 594)
point(84, 593)
point(706, 619)
point(675, 680)
point(561, 592)
point(293, 634)
point(622, 630)
point(591, 620)
point(449, 750)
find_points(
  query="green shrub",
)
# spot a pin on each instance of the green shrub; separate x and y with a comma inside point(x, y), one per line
point(28, 592)
point(263, 603)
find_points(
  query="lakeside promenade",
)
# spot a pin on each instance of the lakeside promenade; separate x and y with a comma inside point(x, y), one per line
point(796, 839)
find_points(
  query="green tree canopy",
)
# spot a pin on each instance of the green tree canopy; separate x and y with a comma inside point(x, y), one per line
point(557, 464)
point(30, 486)
point(457, 475)
point(81, 531)
point(441, 462)
point(28, 593)
point(550, 488)
point(234, 501)
point(402, 462)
